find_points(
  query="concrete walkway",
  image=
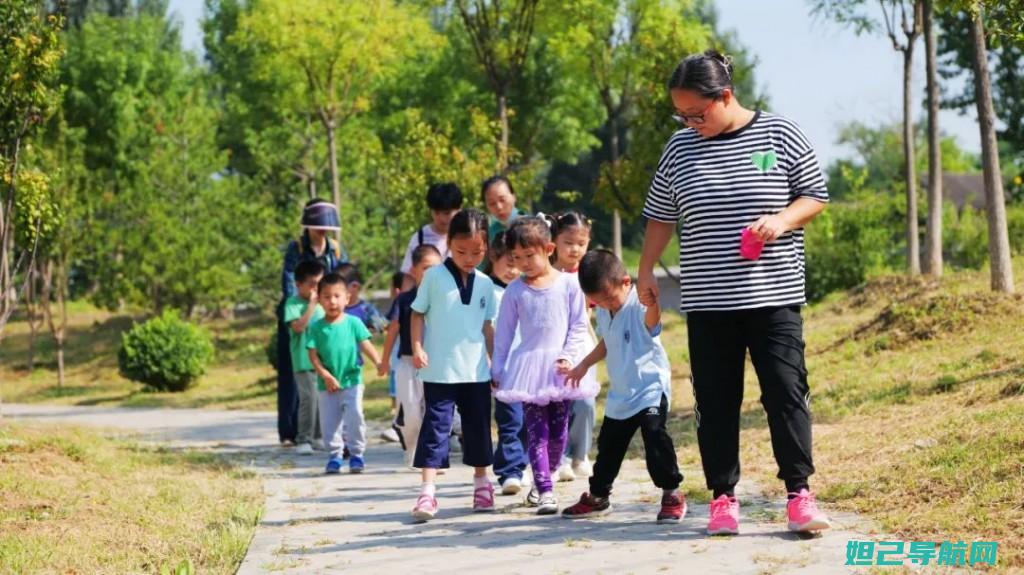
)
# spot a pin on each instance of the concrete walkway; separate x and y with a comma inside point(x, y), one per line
point(314, 523)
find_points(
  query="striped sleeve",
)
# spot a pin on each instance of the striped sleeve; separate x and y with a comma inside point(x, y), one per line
point(661, 205)
point(806, 179)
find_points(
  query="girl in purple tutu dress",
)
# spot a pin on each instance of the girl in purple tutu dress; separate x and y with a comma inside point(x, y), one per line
point(550, 312)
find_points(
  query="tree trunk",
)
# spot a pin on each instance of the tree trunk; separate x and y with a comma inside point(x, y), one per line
point(502, 147)
point(933, 233)
point(31, 309)
point(995, 203)
point(913, 249)
point(332, 147)
point(8, 299)
point(613, 151)
point(57, 330)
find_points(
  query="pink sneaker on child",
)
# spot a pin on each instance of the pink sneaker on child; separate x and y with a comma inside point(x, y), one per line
point(724, 516)
point(804, 514)
point(483, 499)
point(425, 509)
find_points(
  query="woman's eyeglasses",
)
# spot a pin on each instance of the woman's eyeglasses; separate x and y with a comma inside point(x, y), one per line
point(694, 120)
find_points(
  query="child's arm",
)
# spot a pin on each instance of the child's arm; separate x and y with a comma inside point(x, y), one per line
point(366, 346)
point(389, 346)
point(300, 325)
point(329, 381)
point(419, 355)
point(377, 321)
point(579, 325)
point(576, 374)
point(503, 335)
point(489, 337)
point(652, 317)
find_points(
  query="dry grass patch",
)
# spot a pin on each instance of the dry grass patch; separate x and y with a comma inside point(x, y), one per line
point(74, 501)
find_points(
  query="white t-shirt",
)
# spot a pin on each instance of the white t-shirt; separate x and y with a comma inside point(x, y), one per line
point(439, 241)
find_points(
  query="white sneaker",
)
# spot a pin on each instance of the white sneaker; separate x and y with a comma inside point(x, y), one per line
point(304, 449)
point(511, 486)
point(582, 467)
point(389, 435)
point(548, 504)
point(565, 472)
point(532, 498)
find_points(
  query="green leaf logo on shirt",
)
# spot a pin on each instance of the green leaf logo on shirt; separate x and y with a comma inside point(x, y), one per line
point(764, 161)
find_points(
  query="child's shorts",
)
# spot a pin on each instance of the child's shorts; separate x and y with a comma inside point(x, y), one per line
point(474, 403)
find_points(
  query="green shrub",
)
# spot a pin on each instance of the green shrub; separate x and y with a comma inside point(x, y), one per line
point(165, 353)
point(964, 237)
point(1015, 224)
point(852, 240)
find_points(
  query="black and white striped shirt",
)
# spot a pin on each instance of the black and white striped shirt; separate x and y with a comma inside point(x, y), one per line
point(718, 186)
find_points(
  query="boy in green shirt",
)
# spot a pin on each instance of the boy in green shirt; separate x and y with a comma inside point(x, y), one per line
point(334, 344)
point(300, 312)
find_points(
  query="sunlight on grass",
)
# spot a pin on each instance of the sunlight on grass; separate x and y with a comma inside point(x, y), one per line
point(78, 502)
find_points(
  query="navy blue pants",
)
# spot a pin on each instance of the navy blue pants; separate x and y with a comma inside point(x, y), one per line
point(509, 455)
point(287, 391)
point(474, 403)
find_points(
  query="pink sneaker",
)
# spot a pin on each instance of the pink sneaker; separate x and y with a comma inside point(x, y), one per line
point(426, 508)
point(724, 516)
point(483, 499)
point(804, 514)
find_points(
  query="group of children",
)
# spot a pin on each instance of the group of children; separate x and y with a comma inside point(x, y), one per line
point(519, 334)
point(493, 309)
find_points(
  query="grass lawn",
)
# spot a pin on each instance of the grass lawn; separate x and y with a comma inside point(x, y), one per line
point(75, 501)
point(239, 378)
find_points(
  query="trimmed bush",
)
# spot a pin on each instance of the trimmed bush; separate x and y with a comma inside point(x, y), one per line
point(165, 353)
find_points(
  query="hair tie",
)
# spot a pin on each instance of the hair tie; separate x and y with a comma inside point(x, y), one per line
point(544, 217)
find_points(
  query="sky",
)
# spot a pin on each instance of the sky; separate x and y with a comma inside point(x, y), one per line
point(816, 73)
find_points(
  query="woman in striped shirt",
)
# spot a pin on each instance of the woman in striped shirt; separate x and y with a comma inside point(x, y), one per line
point(734, 176)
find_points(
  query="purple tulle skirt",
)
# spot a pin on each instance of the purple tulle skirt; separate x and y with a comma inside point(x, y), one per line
point(530, 377)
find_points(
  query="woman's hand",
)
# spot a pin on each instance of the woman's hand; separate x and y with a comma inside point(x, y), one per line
point(647, 288)
point(769, 228)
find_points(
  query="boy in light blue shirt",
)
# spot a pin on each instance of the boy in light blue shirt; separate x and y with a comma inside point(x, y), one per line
point(639, 389)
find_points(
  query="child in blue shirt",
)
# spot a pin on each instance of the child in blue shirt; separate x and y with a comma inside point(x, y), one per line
point(361, 309)
point(456, 304)
point(639, 388)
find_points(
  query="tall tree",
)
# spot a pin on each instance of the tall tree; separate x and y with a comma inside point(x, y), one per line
point(956, 60)
point(902, 21)
point(340, 51)
point(995, 202)
point(932, 264)
point(911, 30)
point(30, 50)
point(501, 35)
point(613, 44)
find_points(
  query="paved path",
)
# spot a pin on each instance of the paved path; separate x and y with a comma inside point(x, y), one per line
point(360, 523)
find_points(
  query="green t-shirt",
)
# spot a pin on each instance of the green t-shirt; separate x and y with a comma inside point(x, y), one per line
point(295, 308)
point(337, 344)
